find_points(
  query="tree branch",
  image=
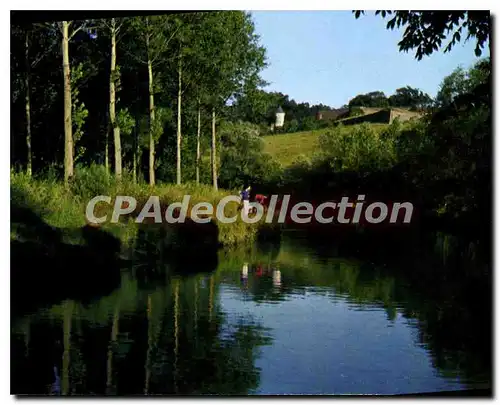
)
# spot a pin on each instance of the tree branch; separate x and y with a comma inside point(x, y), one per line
point(74, 32)
point(137, 59)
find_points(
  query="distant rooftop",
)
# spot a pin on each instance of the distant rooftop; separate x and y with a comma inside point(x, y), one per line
point(279, 110)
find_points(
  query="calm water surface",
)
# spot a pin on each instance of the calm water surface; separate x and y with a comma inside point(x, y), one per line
point(284, 319)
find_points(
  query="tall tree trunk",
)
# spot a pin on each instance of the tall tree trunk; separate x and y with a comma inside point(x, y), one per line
point(106, 150)
point(198, 149)
point(112, 104)
point(28, 107)
point(135, 151)
point(214, 150)
point(179, 122)
point(68, 130)
point(151, 125)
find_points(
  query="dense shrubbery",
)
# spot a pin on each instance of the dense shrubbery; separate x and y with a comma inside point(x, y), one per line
point(360, 148)
point(64, 207)
point(442, 162)
point(243, 160)
point(295, 174)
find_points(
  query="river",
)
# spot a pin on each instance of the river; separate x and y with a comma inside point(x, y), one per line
point(276, 319)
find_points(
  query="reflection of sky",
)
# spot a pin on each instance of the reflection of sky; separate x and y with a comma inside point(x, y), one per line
point(326, 346)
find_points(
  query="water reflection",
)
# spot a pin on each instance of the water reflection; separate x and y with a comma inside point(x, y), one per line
point(289, 318)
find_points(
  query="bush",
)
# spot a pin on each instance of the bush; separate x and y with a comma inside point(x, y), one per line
point(243, 160)
point(292, 126)
point(294, 174)
point(393, 129)
point(62, 208)
point(264, 129)
point(91, 181)
point(357, 148)
point(309, 124)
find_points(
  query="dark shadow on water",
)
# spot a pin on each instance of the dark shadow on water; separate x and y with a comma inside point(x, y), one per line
point(269, 248)
point(171, 337)
point(46, 270)
point(184, 249)
point(176, 341)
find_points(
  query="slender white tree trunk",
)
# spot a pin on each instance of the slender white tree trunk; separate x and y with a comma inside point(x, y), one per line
point(106, 150)
point(179, 121)
point(112, 104)
point(151, 124)
point(214, 152)
point(198, 148)
point(68, 130)
point(28, 108)
point(135, 152)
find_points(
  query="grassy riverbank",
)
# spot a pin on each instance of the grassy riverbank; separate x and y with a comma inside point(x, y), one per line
point(64, 208)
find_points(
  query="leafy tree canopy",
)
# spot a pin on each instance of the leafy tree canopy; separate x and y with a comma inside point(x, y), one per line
point(410, 97)
point(462, 81)
point(372, 99)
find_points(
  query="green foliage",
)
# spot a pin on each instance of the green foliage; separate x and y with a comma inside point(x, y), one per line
point(452, 85)
point(410, 97)
point(152, 37)
point(221, 61)
point(125, 121)
point(294, 174)
point(292, 126)
point(162, 116)
point(116, 78)
point(461, 81)
point(309, 124)
point(48, 199)
point(65, 208)
point(392, 130)
point(243, 160)
point(258, 106)
point(79, 112)
point(372, 99)
point(239, 57)
point(91, 181)
point(359, 149)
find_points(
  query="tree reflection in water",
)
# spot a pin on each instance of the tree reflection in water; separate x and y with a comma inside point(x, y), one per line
point(173, 337)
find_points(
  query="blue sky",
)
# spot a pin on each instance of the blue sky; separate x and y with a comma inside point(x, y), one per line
point(330, 57)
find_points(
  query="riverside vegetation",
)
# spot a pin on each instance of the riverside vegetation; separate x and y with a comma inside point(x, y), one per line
point(439, 163)
point(145, 102)
point(165, 101)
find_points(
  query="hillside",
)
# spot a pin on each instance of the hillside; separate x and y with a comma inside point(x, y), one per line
point(286, 148)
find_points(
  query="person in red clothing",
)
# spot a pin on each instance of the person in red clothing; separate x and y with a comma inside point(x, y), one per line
point(261, 199)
